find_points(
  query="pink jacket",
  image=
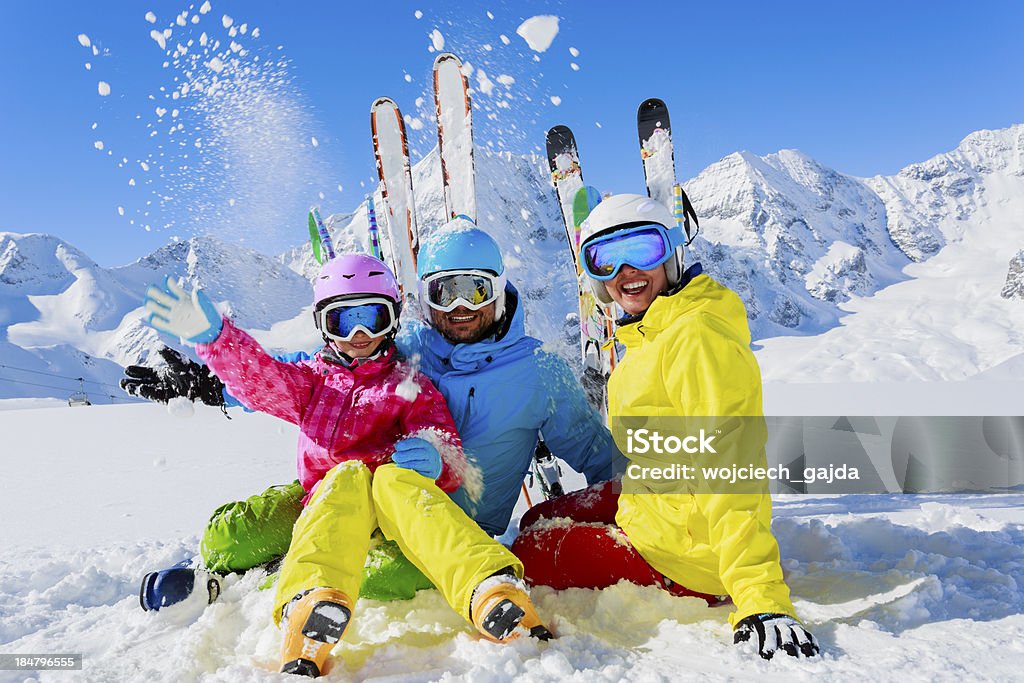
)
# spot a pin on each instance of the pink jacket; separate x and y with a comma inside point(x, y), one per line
point(344, 414)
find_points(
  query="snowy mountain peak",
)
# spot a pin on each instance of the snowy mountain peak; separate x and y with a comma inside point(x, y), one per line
point(792, 236)
point(931, 203)
point(257, 290)
point(981, 153)
point(39, 263)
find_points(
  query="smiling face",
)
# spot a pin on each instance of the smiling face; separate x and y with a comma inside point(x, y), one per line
point(635, 290)
point(462, 325)
point(361, 345)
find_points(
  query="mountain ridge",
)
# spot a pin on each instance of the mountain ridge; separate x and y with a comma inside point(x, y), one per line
point(804, 245)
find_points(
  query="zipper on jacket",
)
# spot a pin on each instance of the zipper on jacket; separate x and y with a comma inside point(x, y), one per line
point(465, 413)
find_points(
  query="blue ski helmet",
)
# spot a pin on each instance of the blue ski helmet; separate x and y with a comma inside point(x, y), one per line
point(460, 245)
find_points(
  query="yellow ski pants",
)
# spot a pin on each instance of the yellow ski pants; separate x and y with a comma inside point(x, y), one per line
point(332, 535)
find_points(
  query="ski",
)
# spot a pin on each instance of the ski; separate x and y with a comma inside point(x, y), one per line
point(391, 150)
point(567, 177)
point(455, 136)
point(654, 129)
point(323, 247)
point(575, 202)
point(373, 232)
point(597, 327)
point(655, 133)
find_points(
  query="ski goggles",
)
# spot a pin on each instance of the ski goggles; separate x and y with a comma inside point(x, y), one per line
point(449, 289)
point(642, 247)
point(342, 320)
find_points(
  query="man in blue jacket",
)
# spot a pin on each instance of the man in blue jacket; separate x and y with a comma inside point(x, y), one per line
point(502, 389)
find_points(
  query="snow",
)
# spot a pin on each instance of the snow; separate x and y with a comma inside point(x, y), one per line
point(437, 40)
point(539, 31)
point(556, 100)
point(103, 88)
point(418, 14)
point(891, 585)
point(159, 37)
point(313, 141)
point(83, 40)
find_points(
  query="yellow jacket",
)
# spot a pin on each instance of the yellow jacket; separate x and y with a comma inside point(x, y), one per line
point(690, 356)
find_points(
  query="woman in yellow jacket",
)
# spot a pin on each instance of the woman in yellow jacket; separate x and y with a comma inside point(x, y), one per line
point(687, 356)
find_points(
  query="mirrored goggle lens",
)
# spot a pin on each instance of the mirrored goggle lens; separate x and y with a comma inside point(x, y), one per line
point(474, 290)
point(342, 322)
point(643, 249)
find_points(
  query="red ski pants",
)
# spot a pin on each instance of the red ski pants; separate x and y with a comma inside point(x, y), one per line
point(572, 542)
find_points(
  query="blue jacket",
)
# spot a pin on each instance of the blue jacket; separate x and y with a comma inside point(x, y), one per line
point(503, 392)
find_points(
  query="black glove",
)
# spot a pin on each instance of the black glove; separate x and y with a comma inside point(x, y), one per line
point(181, 377)
point(774, 632)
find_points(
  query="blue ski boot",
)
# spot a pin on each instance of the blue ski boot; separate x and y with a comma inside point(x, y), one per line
point(171, 586)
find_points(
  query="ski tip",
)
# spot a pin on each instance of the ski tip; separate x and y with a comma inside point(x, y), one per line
point(556, 133)
point(382, 101)
point(447, 57)
point(651, 103)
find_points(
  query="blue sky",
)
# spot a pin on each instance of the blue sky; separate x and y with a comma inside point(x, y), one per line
point(864, 87)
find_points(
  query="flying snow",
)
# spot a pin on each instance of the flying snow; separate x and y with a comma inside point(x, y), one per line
point(539, 31)
point(574, 52)
point(83, 40)
point(150, 17)
point(418, 14)
point(437, 40)
point(314, 141)
point(103, 88)
point(556, 100)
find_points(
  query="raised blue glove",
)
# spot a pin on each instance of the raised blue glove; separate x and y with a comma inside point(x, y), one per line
point(192, 318)
point(776, 632)
point(418, 455)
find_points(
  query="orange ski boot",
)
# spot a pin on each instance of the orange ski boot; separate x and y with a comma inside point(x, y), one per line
point(502, 610)
point(313, 624)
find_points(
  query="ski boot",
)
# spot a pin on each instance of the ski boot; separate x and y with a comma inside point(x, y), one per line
point(313, 624)
point(501, 610)
point(171, 586)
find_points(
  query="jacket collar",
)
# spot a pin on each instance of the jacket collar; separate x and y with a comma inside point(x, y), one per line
point(701, 294)
point(329, 361)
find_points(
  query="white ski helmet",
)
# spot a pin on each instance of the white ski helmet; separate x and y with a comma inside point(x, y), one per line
point(623, 211)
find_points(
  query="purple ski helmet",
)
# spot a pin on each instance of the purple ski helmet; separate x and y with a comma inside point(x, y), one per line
point(351, 275)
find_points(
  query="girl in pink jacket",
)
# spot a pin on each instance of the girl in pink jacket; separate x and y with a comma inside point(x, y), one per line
point(377, 448)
